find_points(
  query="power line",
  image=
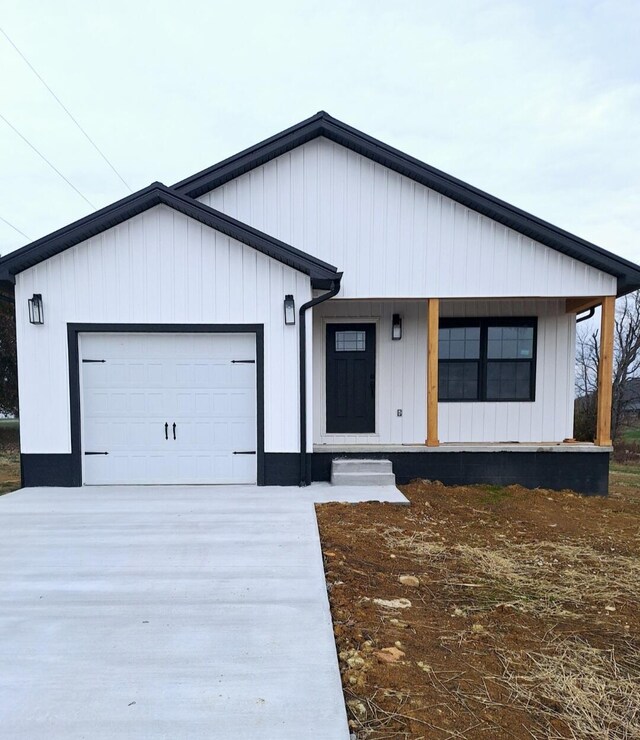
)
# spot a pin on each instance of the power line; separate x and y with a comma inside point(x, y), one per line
point(40, 154)
point(15, 228)
point(66, 110)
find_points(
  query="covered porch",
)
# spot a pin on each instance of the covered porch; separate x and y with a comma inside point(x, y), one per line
point(459, 390)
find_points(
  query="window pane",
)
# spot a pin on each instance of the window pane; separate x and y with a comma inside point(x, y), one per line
point(510, 342)
point(351, 341)
point(508, 381)
point(458, 381)
point(443, 343)
point(525, 342)
point(459, 343)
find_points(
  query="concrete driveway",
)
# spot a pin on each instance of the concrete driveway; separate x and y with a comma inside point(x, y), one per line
point(151, 612)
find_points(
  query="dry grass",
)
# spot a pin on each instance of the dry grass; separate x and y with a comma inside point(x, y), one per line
point(543, 579)
point(580, 691)
point(9, 471)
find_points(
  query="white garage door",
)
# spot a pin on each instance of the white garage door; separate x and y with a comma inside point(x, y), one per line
point(168, 408)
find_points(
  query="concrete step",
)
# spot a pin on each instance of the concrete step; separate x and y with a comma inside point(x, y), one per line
point(361, 465)
point(362, 472)
point(363, 479)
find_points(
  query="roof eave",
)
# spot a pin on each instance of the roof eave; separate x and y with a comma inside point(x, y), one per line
point(159, 194)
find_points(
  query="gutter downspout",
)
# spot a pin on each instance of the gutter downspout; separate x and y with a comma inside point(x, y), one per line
point(335, 288)
point(588, 315)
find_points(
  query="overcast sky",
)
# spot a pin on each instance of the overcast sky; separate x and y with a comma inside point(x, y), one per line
point(535, 101)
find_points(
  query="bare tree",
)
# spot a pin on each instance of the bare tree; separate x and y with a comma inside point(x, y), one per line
point(626, 367)
point(8, 367)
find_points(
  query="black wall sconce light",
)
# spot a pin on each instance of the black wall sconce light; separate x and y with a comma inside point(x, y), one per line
point(36, 309)
point(289, 310)
point(396, 326)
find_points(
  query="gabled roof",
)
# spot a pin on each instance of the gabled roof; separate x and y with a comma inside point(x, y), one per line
point(322, 124)
point(321, 273)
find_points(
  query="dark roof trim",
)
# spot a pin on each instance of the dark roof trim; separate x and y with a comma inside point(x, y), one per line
point(321, 273)
point(322, 124)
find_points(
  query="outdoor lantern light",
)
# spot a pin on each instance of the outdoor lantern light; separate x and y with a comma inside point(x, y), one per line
point(289, 310)
point(396, 326)
point(36, 309)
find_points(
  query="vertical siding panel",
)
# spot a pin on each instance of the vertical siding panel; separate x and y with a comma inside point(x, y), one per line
point(193, 270)
point(181, 259)
point(363, 229)
point(570, 370)
point(311, 198)
point(378, 250)
point(419, 236)
point(297, 196)
point(243, 203)
point(283, 190)
point(392, 250)
point(250, 310)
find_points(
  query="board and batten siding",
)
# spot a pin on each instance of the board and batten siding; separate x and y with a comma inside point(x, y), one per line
point(401, 376)
point(160, 267)
point(393, 237)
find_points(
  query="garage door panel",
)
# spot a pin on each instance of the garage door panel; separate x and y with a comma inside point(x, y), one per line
point(242, 437)
point(242, 403)
point(242, 375)
point(185, 404)
point(243, 465)
point(111, 435)
point(96, 403)
point(204, 404)
point(147, 381)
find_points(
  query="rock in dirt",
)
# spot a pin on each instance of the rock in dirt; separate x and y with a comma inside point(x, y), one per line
point(358, 709)
point(355, 662)
point(409, 581)
point(398, 623)
point(393, 603)
point(390, 654)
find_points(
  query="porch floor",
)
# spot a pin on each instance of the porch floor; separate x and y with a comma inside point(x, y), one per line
point(467, 447)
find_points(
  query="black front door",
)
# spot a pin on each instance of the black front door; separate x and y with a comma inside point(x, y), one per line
point(351, 378)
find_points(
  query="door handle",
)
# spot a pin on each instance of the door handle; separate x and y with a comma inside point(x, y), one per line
point(174, 430)
point(166, 430)
point(372, 385)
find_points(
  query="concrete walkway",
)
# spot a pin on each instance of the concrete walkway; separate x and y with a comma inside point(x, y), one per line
point(167, 612)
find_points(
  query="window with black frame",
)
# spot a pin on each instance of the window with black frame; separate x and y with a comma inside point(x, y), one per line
point(488, 359)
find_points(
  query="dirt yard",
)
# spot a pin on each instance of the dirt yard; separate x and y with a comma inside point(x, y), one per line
point(9, 457)
point(487, 612)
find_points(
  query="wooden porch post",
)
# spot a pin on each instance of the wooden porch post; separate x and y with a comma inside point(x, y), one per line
point(433, 315)
point(605, 371)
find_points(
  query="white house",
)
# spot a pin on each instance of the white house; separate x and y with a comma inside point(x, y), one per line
point(318, 295)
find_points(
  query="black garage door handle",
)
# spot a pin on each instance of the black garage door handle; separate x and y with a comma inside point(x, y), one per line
point(174, 430)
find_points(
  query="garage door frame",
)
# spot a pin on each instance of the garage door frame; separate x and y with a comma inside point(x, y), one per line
point(73, 330)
